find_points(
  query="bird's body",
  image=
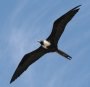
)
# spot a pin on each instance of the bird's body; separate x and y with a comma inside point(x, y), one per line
point(48, 45)
point(45, 44)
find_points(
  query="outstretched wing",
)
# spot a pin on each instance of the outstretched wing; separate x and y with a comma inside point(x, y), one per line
point(27, 60)
point(60, 23)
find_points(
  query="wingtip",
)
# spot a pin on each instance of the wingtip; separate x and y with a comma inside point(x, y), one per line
point(77, 7)
point(13, 78)
point(11, 81)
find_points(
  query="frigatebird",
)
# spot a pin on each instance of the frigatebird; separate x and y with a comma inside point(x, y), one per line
point(48, 45)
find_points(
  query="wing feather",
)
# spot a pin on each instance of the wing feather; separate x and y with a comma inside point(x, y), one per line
point(27, 60)
point(60, 23)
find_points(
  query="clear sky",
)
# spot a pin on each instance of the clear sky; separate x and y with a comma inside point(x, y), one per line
point(24, 22)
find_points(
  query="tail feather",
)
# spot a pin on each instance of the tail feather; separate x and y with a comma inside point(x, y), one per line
point(64, 54)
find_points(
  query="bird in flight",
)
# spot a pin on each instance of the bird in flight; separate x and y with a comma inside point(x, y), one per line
point(48, 45)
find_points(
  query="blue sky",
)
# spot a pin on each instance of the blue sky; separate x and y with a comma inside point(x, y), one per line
point(24, 22)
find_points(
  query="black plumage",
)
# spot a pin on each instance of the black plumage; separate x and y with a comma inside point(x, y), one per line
point(60, 24)
point(48, 45)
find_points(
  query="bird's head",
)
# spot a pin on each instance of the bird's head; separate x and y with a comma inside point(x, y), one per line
point(41, 42)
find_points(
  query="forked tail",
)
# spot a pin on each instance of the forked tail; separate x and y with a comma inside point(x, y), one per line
point(64, 54)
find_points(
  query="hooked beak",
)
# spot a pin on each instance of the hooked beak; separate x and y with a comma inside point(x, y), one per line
point(38, 41)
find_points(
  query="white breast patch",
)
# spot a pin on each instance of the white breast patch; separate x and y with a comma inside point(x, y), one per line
point(46, 44)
